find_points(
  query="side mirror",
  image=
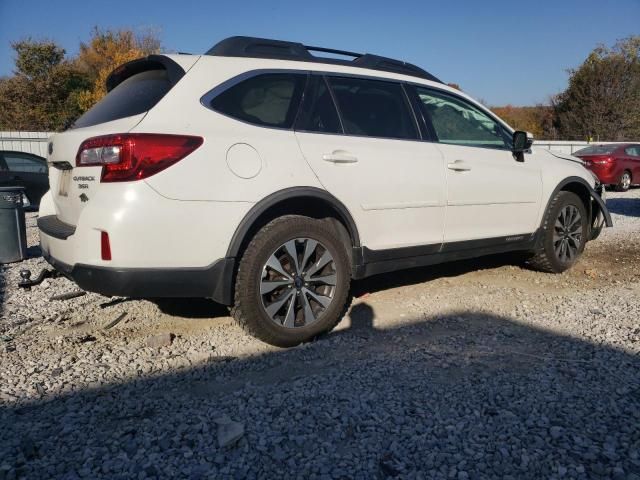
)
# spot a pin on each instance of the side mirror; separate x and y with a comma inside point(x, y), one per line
point(522, 142)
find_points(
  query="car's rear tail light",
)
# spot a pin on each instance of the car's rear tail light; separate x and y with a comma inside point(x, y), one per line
point(602, 160)
point(105, 246)
point(134, 156)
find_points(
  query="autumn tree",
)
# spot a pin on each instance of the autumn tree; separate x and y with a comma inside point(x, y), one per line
point(106, 50)
point(43, 92)
point(602, 100)
point(537, 119)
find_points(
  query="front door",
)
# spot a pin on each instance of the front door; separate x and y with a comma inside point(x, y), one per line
point(489, 193)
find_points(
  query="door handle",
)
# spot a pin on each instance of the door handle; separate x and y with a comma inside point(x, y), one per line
point(339, 157)
point(459, 166)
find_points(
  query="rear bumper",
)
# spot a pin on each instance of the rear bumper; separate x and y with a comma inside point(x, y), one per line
point(214, 281)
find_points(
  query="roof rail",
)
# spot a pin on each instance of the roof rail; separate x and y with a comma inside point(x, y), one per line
point(277, 49)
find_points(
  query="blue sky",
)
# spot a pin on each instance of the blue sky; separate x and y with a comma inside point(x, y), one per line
point(502, 52)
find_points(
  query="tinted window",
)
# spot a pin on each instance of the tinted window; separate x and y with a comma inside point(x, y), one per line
point(597, 150)
point(137, 94)
point(23, 163)
point(319, 113)
point(270, 100)
point(459, 122)
point(633, 151)
point(373, 108)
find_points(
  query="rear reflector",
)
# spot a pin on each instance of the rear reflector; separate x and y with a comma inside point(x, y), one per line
point(105, 246)
point(134, 156)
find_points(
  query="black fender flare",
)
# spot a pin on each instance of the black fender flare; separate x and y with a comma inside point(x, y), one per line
point(289, 194)
point(594, 196)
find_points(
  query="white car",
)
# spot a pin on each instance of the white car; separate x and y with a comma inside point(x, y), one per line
point(268, 178)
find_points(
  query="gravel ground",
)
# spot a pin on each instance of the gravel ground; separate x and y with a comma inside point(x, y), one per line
point(479, 369)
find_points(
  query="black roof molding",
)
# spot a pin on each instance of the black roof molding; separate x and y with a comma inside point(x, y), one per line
point(252, 47)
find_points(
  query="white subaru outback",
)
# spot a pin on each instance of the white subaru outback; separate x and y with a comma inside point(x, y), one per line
point(267, 178)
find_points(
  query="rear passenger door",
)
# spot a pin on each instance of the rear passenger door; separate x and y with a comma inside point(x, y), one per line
point(368, 153)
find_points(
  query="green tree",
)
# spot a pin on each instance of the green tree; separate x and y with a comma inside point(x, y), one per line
point(43, 92)
point(602, 100)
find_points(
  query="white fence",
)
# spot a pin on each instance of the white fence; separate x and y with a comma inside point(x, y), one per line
point(29, 142)
point(567, 146)
point(36, 143)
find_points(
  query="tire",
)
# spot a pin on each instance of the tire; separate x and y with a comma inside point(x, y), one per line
point(269, 280)
point(551, 256)
point(625, 182)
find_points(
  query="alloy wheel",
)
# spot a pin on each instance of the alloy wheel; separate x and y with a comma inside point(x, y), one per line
point(625, 181)
point(298, 283)
point(567, 234)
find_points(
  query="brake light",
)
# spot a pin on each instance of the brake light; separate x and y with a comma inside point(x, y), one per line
point(134, 156)
point(602, 161)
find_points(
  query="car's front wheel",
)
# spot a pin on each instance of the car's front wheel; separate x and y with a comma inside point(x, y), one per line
point(293, 281)
point(564, 234)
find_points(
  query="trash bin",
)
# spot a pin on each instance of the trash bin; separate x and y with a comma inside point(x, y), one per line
point(13, 233)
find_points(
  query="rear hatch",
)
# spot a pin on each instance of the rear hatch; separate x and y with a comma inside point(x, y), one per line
point(133, 89)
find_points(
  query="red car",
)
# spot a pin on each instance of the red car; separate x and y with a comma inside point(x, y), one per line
point(615, 165)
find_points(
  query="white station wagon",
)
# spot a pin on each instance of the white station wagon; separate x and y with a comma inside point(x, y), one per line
point(267, 177)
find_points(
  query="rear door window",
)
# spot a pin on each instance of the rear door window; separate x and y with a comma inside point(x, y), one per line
point(373, 108)
point(269, 100)
point(137, 94)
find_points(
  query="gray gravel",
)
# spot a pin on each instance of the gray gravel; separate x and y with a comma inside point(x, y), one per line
point(479, 369)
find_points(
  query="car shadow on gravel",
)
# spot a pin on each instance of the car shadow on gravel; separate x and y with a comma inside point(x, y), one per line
point(466, 395)
point(624, 206)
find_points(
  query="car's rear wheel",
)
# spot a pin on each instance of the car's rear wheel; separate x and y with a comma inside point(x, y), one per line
point(625, 182)
point(293, 281)
point(564, 234)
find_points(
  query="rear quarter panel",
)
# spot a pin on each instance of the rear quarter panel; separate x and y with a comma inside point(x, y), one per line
point(206, 174)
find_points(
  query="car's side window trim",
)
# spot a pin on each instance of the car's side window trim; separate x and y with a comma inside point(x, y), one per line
point(303, 115)
point(424, 130)
point(335, 102)
point(424, 123)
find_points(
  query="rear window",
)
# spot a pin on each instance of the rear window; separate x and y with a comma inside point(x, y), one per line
point(597, 150)
point(137, 94)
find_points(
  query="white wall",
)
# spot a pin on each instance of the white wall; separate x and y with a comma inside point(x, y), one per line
point(30, 142)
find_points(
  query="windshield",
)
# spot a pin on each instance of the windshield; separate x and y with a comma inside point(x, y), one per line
point(597, 150)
